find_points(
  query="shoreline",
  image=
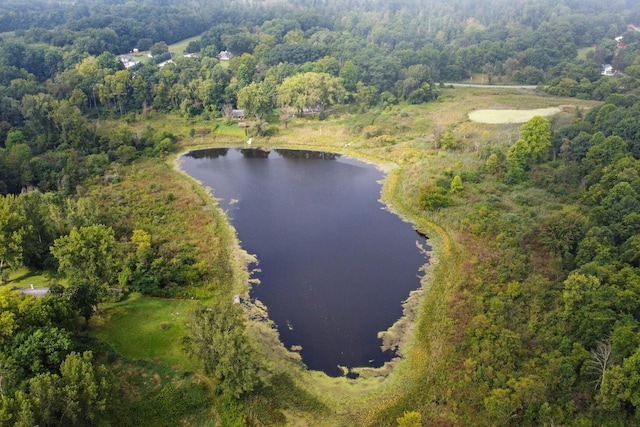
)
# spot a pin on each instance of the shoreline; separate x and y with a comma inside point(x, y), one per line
point(396, 337)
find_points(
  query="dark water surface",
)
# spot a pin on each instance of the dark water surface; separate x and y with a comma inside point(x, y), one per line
point(335, 266)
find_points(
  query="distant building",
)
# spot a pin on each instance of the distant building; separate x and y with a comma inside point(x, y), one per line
point(237, 114)
point(136, 50)
point(162, 64)
point(224, 55)
point(128, 61)
point(608, 70)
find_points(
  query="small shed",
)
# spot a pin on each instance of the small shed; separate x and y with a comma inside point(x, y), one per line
point(236, 299)
point(237, 114)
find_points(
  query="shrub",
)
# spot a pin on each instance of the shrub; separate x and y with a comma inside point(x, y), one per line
point(456, 184)
point(432, 198)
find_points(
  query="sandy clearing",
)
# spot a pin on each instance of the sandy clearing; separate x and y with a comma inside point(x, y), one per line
point(510, 116)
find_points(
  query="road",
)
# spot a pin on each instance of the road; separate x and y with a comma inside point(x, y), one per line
point(525, 87)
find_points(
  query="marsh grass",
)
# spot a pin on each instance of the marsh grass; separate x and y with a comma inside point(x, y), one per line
point(184, 222)
point(153, 394)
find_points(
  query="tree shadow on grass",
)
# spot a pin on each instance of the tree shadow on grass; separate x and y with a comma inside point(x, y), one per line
point(25, 275)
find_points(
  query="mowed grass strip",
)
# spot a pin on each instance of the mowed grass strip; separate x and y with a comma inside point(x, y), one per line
point(148, 328)
point(179, 47)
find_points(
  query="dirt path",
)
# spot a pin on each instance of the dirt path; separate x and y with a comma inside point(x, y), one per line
point(524, 87)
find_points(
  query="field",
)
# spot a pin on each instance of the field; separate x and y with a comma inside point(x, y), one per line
point(146, 328)
point(498, 117)
point(179, 47)
point(582, 53)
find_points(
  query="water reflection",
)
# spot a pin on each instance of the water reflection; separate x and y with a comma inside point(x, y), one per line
point(305, 154)
point(209, 153)
point(255, 153)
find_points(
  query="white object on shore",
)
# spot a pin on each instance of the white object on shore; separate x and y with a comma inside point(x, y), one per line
point(249, 141)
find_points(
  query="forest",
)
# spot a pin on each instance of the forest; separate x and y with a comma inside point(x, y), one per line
point(530, 313)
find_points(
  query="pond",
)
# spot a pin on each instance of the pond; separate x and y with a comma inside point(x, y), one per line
point(334, 264)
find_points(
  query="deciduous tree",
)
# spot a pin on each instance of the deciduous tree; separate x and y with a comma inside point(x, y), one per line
point(254, 100)
point(533, 145)
point(13, 228)
point(310, 90)
point(88, 257)
point(216, 336)
point(76, 397)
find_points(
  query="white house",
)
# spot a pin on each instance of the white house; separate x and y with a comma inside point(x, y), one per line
point(224, 55)
point(608, 70)
point(128, 61)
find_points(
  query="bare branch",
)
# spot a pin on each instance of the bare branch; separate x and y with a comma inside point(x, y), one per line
point(601, 361)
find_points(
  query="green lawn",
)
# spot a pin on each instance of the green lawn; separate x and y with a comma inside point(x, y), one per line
point(24, 278)
point(179, 47)
point(582, 53)
point(141, 56)
point(141, 327)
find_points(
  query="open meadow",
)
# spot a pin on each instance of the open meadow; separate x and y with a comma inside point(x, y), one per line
point(146, 328)
point(179, 47)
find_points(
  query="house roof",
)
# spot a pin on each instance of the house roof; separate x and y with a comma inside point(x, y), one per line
point(37, 292)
